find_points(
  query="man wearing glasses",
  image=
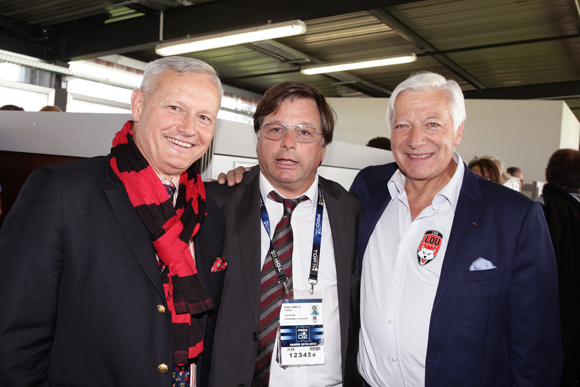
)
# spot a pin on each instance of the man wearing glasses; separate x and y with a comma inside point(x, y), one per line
point(291, 244)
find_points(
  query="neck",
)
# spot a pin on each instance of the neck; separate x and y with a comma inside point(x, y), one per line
point(163, 177)
point(291, 190)
point(420, 193)
point(290, 193)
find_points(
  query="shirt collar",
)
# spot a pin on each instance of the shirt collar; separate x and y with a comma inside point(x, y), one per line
point(450, 192)
point(174, 181)
point(311, 193)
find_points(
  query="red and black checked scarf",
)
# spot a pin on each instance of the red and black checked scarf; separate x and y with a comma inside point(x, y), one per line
point(170, 229)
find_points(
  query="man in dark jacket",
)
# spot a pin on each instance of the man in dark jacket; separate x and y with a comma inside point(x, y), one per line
point(561, 199)
point(110, 267)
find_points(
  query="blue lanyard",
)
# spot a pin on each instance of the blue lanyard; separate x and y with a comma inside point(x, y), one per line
point(316, 242)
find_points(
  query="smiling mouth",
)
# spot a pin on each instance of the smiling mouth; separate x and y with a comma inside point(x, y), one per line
point(420, 156)
point(180, 143)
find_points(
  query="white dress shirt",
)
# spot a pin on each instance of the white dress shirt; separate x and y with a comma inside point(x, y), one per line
point(397, 292)
point(329, 374)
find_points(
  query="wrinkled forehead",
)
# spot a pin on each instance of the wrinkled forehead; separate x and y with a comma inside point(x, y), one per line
point(422, 103)
point(300, 111)
point(426, 98)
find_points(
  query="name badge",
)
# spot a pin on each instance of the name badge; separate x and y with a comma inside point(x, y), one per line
point(301, 334)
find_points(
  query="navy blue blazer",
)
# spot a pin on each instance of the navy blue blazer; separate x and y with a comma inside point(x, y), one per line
point(497, 327)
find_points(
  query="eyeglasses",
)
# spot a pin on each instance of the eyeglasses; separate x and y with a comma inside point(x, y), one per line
point(302, 133)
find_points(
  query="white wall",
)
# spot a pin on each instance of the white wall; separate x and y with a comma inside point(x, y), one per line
point(360, 119)
point(521, 133)
point(29, 97)
point(65, 134)
point(570, 129)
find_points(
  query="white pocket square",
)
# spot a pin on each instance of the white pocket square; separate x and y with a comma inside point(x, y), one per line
point(481, 264)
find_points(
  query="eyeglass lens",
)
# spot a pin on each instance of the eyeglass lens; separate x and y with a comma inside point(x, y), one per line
point(302, 133)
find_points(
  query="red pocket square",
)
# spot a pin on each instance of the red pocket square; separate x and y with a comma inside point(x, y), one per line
point(219, 264)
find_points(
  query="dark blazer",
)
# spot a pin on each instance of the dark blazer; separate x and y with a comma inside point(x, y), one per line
point(236, 345)
point(562, 213)
point(80, 287)
point(497, 327)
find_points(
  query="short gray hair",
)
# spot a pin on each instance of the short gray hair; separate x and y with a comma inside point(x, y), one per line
point(427, 81)
point(177, 64)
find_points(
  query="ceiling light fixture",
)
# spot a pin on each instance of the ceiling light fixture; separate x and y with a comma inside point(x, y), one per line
point(128, 81)
point(359, 64)
point(246, 35)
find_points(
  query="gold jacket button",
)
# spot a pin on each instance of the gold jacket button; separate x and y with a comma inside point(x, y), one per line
point(160, 308)
point(162, 368)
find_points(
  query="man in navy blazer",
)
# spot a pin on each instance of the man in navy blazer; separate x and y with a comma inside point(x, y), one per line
point(459, 281)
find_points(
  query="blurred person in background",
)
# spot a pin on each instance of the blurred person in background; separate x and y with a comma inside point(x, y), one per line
point(12, 107)
point(506, 179)
point(517, 172)
point(380, 143)
point(561, 203)
point(485, 168)
point(49, 108)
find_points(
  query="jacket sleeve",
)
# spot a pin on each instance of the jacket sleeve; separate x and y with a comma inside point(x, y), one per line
point(31, 262)
point(536, 354)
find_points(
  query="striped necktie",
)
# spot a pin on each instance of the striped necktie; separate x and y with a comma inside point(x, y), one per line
point(272, 293)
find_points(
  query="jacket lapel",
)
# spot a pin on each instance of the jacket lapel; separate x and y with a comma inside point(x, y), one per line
point(466, 217)
point(248, 219)
point(373, 212)
point(336, 215)
point(133, 229)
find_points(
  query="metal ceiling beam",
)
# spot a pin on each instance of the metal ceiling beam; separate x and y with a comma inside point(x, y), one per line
point(70, 27)
point(142, 8)
point(283, 52)
point(19, 28)
point(358, 84)
point(23, 46)
point(205, 18)
point(509, 44)
point(558, 90)
point(414, 38)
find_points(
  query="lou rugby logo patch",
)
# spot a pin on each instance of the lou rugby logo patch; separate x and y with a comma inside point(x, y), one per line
point(429, 247)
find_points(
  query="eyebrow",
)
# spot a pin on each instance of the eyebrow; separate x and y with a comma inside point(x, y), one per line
point(304, 123)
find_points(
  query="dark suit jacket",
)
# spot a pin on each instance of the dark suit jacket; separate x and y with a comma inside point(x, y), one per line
point(562, 213)
point(236, 345)
point(497, 327)
point(80, 285)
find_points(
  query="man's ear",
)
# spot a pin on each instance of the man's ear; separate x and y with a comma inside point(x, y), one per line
point(458, 135)
point(137, 101)
point(323, 154)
